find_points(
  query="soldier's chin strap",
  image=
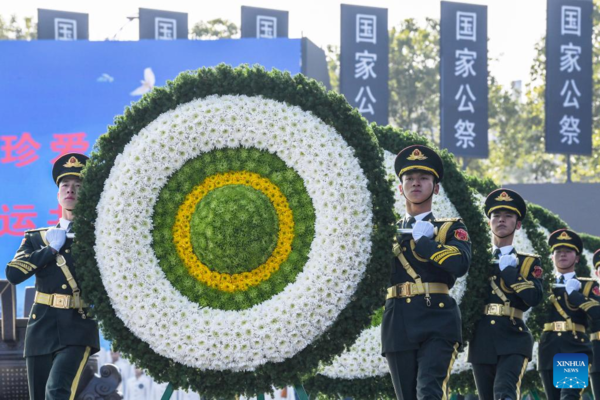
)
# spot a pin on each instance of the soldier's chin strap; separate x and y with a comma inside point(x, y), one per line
point(427, 199)
point(505, 236)
point(573, 265)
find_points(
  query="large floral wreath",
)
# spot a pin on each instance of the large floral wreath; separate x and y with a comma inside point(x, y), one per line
point(234, 230)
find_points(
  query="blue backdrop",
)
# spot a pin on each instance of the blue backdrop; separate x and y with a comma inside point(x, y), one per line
point(58, 97)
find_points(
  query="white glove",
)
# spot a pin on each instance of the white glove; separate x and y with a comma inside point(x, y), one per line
point(56, 238)
point(573, 284)
point(422, 228)
point(507, 260)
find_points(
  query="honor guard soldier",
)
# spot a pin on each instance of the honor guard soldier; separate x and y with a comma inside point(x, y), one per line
point(421, 328)
point(573, 300)
point(60, 337)
point(595, 338)
point(502, 345)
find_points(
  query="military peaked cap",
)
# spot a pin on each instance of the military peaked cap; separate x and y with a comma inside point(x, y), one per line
point(505, 199)
point(565, 238)
point(420, 158)
point(70, 164)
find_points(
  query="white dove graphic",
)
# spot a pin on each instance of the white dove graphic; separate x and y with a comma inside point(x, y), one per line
point(147, 83)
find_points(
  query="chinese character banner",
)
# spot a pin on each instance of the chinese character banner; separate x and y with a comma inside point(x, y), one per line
point(163, 25)
point(59, 97)
point(364, 68)
point(264, 23)
point(463, 86)
point(569, 77)
point(62, 25)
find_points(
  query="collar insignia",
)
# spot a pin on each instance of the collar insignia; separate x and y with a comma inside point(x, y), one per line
point(504, 197)
point(416, 155)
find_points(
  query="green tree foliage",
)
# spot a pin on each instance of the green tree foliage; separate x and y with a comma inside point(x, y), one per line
point(414, 77)
point(517, 145)
point(13, 29)
point(332, 56)
point(215, 29)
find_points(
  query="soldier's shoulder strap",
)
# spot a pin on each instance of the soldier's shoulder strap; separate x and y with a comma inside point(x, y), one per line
point(588, 285)
point(527, 263)
point(41, 232)
point(442, 231)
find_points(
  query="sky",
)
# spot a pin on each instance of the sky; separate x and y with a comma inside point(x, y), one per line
point(514, 26)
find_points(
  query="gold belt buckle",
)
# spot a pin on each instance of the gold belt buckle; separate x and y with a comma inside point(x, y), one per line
point(405, 290)
point(61, 301)
point(494, 309)
point(560, 326)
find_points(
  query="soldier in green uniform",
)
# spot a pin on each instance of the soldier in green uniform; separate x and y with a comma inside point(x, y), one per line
point(60, 337)
point(595, 338)
point(573, 300)
point(421, 328)
point(502, 345)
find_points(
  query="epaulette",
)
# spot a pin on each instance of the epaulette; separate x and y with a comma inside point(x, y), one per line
point(38, 229)
point(446, 219)
point(528, 255)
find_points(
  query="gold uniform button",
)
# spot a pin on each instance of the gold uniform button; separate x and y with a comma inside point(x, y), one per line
point(67, 251)
point(442, 305)
point(404, 249)
point(33, 316)
point(408, 300)
point(559, 334)
point(492, 322)
point(64, 286)
point(520, 278)
point(582, 340)
point(521, 329)
point(558, 298)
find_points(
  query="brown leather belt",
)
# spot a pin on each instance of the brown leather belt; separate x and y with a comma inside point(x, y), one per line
point(410, 289)
point(56, 300)
point(500, 310)
point(563, 326)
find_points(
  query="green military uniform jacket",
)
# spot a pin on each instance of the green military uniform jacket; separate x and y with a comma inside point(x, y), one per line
point(407, 322)
point(499, 335)
point(579, 306)
point(50, 329)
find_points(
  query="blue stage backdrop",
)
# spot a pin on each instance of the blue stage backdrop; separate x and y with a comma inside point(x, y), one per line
point(58, 97)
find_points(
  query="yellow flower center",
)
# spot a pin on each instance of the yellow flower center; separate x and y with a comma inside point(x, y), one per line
point(242, 281)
